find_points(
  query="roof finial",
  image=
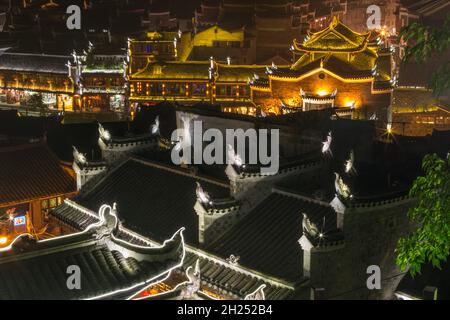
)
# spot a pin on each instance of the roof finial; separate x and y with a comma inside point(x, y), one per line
point(334, 22)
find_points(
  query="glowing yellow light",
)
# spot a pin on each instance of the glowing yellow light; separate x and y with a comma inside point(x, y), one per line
point(322, 93)
point(389, 128)
point(3, 240)
point(350, 104)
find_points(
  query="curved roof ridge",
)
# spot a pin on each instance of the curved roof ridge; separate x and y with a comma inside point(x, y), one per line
point(358, 40)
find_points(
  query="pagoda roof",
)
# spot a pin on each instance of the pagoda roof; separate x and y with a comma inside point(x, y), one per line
point(29, 62)
point(267, 241)
point(335, 38)
point(238, 73)
point(153, 200)
point(366, 64)
point(111, 265)
point(174, 71)
point(31, 172)
point(135, 184)
point(236, 281)
point(359, 68)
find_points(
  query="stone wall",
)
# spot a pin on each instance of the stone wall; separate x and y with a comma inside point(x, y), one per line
point(371, 236)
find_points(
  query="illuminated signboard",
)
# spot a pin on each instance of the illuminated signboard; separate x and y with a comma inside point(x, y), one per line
point(18, 210)
point(20, 221)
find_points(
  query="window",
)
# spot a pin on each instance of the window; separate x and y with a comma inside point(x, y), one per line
point(198, 89)
point(234, 89)
point(159, 88)
point(176, 89)
point(222, 90)
point(53, 203)
point(244, 91)
point(139, 88)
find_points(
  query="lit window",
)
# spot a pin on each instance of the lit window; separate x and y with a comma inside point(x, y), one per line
point(53, 203)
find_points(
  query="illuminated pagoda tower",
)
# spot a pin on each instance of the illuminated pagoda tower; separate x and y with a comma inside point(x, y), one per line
point(335, 67)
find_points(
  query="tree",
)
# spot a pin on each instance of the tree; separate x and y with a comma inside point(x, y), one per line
point(430, 242)
point(423, 42)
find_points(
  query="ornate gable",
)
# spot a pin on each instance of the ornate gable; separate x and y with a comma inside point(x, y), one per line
point(335, 38)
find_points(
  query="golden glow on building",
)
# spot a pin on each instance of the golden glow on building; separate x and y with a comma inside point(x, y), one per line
point(3, 240)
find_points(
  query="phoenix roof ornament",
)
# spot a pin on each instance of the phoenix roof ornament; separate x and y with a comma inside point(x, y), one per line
point(326, 145)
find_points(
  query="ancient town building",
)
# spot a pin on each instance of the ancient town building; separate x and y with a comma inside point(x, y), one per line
point(236, 239)
point(89, 81)
point(33, 182)
point(335, 67)
point(23, 75)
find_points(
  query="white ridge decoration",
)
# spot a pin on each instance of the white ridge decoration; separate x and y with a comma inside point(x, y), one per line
point(155, 126)
point(302, 93)
point(78, 156)
point(349, 164)
point(309, 227)
point(104, 134)
point(233, 260)
point(191, 288)
point(202, 196)
point(341, 188)
point(233, 157)
point(258, 294)
point(326, 148)
point(108, 220)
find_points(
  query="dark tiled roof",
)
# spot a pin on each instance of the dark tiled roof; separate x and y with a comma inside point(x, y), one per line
point(331, 63)
point(153, 200)
point(239, 284)
point(175, 70)
point(34, 63)
point(267, 238)
point(31, 172)
point(235, 73)
point(216, 274)
point(382, 85)
point(261, 83)
point(73, 216)
point(140, 138)
point(38, 270)
point(336, 37)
